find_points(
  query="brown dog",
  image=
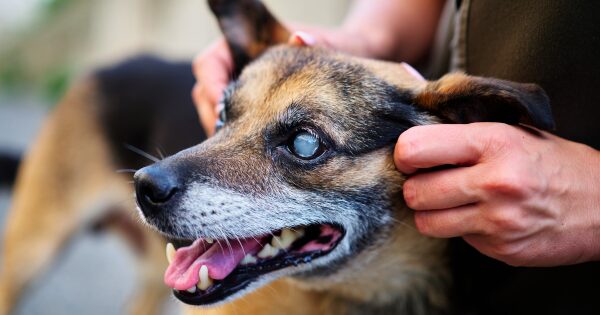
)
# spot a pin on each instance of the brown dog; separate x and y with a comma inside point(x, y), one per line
point(298, 190)
point(72, 179)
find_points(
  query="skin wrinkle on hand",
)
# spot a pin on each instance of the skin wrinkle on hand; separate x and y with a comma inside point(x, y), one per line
point(538, 208)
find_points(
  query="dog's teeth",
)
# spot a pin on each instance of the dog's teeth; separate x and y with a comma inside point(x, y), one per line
point(170, 252)
point(299, 232)
point(276, 242)
point(285, 240)
point(209, 240)
point(205, 281)
point(288, 237)
point(248, 259)
point(192, 289)
point(268, 251)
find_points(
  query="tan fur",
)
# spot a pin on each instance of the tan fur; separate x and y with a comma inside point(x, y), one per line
point(65, 183)
point(393, 73)
point(438, 92)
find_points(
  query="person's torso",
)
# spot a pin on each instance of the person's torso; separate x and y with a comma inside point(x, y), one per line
point(554, 43)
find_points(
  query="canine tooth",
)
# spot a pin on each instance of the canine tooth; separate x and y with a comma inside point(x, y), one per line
point(285, 240)
point(192, 289)
point(268, 251)
point(276, 242)
point(205, 281)
point(288, 237)
point(209, 240)
point(170, 252)
point(248, 259)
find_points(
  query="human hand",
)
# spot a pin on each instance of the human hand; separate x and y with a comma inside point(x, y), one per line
point(522, 197)
point(213, 67)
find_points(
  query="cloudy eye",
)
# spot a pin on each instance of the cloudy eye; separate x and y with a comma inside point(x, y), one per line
point(305, 145)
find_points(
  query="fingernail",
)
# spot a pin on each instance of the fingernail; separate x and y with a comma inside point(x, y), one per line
point(300, 38)
point(413, 71)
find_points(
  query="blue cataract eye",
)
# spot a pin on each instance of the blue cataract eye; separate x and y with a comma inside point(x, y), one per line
point(306, 145)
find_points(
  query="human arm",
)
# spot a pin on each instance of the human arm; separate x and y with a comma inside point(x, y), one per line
point(399, 30)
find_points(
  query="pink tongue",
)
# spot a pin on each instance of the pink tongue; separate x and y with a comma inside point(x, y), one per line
point(182, 273)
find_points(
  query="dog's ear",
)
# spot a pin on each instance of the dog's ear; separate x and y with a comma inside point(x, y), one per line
point(249, 28)
point(459, 98)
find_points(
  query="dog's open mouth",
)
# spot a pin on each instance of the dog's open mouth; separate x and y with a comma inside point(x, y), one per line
point(208, 271)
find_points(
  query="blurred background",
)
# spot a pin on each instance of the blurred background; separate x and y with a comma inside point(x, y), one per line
point(47, 44)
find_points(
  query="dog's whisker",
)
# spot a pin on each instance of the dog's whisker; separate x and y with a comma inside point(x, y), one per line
point(142, 153)
point(405, 224)
point(221, 246)
point(160, 153)
point(254, 238)
point(120, 202)
point(126, 170)
point(227, 241)
point(241, 246)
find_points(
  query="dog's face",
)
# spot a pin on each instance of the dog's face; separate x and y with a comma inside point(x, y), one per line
point(299, 180)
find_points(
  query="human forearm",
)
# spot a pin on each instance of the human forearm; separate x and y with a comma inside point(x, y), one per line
point(398, 30)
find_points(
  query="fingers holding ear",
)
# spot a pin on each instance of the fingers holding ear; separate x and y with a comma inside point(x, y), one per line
point(300, 38)
point(212, 69)
point(442, 189)
point(434, 145)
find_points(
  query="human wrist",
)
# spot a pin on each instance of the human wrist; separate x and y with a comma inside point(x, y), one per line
point(587, 200)
point(595, 161)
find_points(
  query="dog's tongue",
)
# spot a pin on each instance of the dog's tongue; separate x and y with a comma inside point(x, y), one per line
point(182, 272)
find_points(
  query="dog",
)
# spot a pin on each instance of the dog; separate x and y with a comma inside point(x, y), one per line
point(294, 206)
point(76, 176)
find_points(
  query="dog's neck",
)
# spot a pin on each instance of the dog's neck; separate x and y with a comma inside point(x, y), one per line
point(407, 274)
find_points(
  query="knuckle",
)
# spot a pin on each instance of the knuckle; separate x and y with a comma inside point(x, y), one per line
point(498, 136)
point(410, 194)
point(505, 220)
point(504, 180)
point(508, 181)
point(497, 139)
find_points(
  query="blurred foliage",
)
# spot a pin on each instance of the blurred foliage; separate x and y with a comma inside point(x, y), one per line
point(56, 82)
point(12, 75)
point(52, 85)
point(51, 7)
point(16, 77)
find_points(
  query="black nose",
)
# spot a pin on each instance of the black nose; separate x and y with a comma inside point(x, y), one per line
point(155, 188)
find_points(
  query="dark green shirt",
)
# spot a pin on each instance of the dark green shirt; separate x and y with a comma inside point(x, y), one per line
point(554, 43)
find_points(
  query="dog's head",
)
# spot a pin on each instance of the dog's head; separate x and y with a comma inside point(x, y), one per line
point(300, 178)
